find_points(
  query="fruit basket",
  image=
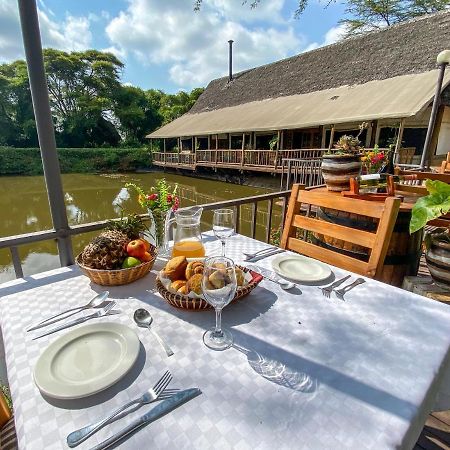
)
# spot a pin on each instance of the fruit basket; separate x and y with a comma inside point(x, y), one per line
point(118, 255)
point(197, 303)
point(117, 277)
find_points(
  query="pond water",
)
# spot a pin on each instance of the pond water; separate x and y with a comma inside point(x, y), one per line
point(24, 209)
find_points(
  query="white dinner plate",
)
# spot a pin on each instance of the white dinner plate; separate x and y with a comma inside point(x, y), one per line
point(86, 360)
point(301, 268)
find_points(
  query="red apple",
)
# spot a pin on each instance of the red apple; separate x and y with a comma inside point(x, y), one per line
point(147, 244)
point(136, 248)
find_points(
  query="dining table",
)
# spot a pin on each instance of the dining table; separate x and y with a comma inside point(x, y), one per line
point(305, 371)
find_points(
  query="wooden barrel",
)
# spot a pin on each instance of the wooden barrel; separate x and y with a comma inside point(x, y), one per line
point(404, 250)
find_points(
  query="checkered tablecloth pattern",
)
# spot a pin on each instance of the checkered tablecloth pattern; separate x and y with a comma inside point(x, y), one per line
point(306, 372)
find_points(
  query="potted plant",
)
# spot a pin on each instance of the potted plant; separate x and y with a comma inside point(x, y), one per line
point(343, 162)
point(437, 243)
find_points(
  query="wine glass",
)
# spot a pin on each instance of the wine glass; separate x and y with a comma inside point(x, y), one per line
point(223, 225)
point(219, 287)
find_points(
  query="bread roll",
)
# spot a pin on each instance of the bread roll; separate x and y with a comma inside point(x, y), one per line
point(175, 268)
point(177, 284)
point(194, 284)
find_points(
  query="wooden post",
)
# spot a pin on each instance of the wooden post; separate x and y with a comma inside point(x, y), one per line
point(282, 140)
point(330, 145)
point(217, 147)
point(229, 141)
point(324, 137)
point(151, 145)
point(243, 149)
point(164, 144)
point(277, 151)
point(373, 133)
point(368, 135)
point(209, 142)
point(398, 143)
point(377, 134)
point(194, 143)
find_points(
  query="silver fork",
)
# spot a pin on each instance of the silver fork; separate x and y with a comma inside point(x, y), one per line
point(341, 292)
point(78, 436)
point(326, 291)
point(252, 255)
point(100, 313)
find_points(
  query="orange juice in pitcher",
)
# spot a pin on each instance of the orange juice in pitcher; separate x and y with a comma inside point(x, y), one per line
point(188, 248)
point(187, 236)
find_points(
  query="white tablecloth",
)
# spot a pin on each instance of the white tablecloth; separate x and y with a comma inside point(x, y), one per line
point(306, 372)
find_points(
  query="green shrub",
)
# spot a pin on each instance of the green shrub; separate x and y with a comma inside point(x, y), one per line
point(27, 161)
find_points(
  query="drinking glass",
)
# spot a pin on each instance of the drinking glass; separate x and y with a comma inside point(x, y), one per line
point(219, 287)
point(223, 225)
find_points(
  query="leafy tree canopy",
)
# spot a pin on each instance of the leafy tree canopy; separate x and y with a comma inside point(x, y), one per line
point(90, 106)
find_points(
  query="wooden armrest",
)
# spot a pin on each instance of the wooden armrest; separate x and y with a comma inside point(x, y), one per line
point(5, 412)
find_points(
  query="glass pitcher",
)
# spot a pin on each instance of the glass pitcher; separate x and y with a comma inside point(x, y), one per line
point(187, 236)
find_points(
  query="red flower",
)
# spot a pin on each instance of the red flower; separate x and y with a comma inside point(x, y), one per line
point(169, 198)
point(152, 197)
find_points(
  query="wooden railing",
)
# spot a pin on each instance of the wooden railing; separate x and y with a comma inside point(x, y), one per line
point(268, 160)
point(304, 171)
point(273, 199)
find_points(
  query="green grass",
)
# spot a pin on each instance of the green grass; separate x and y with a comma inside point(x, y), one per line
point(27, 161)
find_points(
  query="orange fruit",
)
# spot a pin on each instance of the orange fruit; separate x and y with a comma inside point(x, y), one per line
point(147, 257)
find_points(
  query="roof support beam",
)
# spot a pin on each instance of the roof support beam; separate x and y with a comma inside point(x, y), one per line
point(44, 125)
point(426, 155)
point(398, 142)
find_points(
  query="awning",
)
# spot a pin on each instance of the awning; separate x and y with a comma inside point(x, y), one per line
point(394, 98)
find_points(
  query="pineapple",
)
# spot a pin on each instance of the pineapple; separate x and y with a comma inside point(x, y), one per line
point(106, 251)
point(132, 225)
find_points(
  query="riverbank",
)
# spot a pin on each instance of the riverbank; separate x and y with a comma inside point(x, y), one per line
point(27, 161)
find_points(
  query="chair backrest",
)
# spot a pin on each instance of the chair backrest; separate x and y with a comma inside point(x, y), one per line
point(377, 243)
point(445, 165)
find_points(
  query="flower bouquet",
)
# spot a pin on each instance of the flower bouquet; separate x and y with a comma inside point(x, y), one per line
point(159, 202)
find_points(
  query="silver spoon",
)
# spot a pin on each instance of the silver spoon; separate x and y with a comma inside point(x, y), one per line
point(144, 319)
point(94, 303)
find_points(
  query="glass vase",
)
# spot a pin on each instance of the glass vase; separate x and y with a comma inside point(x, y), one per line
point(157, 230)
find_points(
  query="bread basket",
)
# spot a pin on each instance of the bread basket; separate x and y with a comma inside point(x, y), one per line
point(198, 304)
point(117, 277)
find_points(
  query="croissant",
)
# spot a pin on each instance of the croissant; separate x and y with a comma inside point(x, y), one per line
point(194, 267)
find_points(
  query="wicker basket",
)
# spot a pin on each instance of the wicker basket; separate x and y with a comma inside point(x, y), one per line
point(197, 304)
point(117, 277)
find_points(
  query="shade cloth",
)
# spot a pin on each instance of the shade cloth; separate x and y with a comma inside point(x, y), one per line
point(306, 372)
point(397, 97)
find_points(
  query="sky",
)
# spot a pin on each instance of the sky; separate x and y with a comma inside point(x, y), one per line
point(165, 45)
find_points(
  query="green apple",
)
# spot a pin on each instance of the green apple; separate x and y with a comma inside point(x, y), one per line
point(130, 261)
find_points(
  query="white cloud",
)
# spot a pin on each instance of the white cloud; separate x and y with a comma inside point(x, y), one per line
point(194, 45)
point(333, 35)
point(71, 34)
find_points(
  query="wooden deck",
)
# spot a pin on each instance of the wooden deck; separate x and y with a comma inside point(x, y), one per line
point(254, 160)
point(436, 432)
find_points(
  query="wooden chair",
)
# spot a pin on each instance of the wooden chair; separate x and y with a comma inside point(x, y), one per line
point(8, 439)
point(445, 165)
point(377, 243)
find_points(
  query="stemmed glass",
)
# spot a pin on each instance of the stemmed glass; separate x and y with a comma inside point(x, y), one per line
point(223, 225)
point(219, 287)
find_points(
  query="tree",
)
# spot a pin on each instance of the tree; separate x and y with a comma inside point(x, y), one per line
point(368, 15)
point(173, 106)
point(83, 88)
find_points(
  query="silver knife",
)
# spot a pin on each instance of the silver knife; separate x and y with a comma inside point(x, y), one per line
point(101, 313)
point(266, 255)
point(65, 314)
point(155, 413)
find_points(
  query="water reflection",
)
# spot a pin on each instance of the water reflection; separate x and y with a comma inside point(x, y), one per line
point(90, 198)
point(278, 372)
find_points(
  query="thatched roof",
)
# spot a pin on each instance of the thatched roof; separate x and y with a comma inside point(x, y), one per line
point(406, 48)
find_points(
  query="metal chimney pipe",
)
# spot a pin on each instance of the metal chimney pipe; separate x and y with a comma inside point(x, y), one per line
point(230, 61)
